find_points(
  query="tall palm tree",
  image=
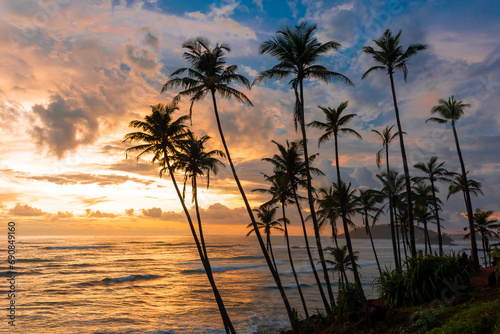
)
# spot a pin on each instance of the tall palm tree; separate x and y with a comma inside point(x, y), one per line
point(387, 137)
point(486, 227)
point(289, 162)
point(367, 206)
point(281, 192)
point(196, 162)
point(450, 111)
point(457, 185)
point(422, 194)
point(160, 135)
point(208, 74)
point(341, 263)
point(267, 222)
point(336, 124)
point(391, 58)
point(298, 51)
point(435, 173)
point(329, 209)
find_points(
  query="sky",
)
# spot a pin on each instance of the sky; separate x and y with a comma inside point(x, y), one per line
point(75, 73)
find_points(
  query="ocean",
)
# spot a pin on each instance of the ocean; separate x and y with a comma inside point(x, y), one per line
point(113, 285)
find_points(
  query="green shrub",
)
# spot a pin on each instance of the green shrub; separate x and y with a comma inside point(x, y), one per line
point(427, 319)
point(349, 302)
point(477, 319)
point(423, 279)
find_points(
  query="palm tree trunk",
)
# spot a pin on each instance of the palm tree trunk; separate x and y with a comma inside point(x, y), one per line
point(373, 245)
point(228, 326)
point(484, 250)
point(309, 254)
point(311, 202)
point(277, 280)
point(438, 221)
point(428, 237)
point(334, 233)
point(393, 236)
point(202, 239)
point(405, 167)
point(468, 203)
point(270, 248)
point(357, 280)
point(291, 263)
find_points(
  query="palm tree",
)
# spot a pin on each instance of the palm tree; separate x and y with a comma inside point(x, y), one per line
point(328, 209)
point(457, 185)
point(451, 111)
point(341, 263)
point(208, 74)
point(367, 204)
point(486, 227)
point(289, 162)
point(387, 137)
point(391, 58)
point(298, 51)
point(435, 173)
point(160, 136)
point(422, 194)
point(282, 193)
point(336, 123)
point(195, 161)
point(267, 222)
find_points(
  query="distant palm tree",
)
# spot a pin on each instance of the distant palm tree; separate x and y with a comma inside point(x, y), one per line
point(387, 137)
point(290, 162)
point(367, 201)
point(457, 185)
point(208, 74)
point(336, 124)
point(486, 227)
point(328, 209)
point(196, 162)
point(282, 193)
point(267, 222)
point(422, 194)
point(161, 136)
point(450, 111)
point(391, 58)
point(341, 263)
point(298, 51)
point(435, 173)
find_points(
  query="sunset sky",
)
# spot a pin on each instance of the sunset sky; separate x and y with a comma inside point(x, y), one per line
point(75, 73)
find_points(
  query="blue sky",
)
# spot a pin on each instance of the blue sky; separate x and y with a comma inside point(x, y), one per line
point(74, 74)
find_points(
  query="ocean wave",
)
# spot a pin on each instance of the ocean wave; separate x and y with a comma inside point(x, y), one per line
point(76, 247)
point(130, 278)
point(364, 264)
point(288, 286)
point(225, 268)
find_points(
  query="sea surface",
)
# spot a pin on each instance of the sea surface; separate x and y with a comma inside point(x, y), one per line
point(156, 285)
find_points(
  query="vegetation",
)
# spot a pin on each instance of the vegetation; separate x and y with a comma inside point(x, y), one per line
point(408, 201)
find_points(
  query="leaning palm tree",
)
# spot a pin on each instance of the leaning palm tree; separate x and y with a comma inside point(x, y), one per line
point(208, 74)
point(282, 193)
point(367, 206)
point(391, 58)
point(196, 162)
point(289, 162)
point(450, 111)
point(336, 124)
point(486, 227)
point(435, 173)
point(298, 51)
point(387, 137)
point(160, 135)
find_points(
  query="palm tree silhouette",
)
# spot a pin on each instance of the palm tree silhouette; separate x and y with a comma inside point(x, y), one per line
point(422, 193)
point(486, 227)
point(451, 111)
point(336, 123)
point(282, 193)
point(457, 185)
point(391, 58)
point(367, 204)
point(341, 263)
point(195, 161)
point(208, 74)
point(161, 136)
point(435, 173)
point(387, 137)
point(289, 162)
point(298, 50)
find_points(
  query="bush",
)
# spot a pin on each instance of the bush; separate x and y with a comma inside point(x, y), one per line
point(478, 318)
point(423, 279)
point(349, 302)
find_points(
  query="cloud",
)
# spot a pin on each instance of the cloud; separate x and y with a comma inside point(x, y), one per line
point(160, 214)
point(99, 214)
point(82, 178)
point(92, 200)
point(26, 210)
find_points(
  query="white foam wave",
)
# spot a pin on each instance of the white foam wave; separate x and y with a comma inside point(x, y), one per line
point(130, 278)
